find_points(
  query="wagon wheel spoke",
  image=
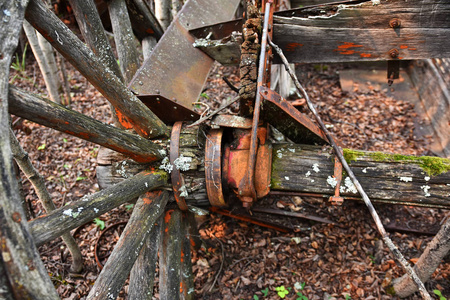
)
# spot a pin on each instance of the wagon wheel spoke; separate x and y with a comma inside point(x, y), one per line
point(56, 116)
point(110, 281)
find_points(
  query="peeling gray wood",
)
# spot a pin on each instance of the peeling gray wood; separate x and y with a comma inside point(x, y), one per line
point(23, 267)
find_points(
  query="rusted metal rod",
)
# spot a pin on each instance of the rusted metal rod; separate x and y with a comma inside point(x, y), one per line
point(387, 240)
point(247, 187)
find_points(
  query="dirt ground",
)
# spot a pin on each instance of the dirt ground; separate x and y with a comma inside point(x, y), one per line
point(239, 260)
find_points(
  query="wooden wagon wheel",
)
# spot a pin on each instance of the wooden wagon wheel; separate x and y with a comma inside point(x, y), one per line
point(26, 273)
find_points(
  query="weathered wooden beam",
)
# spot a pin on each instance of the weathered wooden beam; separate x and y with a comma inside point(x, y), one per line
point(142, 274)
point(395, 179)
point(84, 60)
point(143, 20)
point(181, 75)
point(364, 32)
point(345, 32)
point(148, 209)
point(56, 116)
point(26, 277)
point(64, 219)
point(170, 255)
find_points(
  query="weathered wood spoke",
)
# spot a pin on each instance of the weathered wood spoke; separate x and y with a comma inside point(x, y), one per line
point(77, 213)
point(170, 255)
point(56, 116)
point(142, 276)
point(116, 270)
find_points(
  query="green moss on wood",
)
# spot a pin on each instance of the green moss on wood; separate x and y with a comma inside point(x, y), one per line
point(430, 164)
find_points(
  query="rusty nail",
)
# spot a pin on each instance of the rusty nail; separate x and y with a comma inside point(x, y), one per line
point(16, 217)
point(393, 53)
point(395, 23)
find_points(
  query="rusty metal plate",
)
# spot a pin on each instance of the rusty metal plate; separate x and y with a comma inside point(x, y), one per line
point(289, 121)
point(213, 172)
point(175, 69)
point(217, 31)
point(167, 110)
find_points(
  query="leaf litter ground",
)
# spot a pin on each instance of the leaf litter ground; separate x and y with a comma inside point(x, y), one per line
point(244, 261)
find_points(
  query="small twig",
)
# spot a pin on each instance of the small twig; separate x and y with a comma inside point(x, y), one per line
point(204, 104)
point(221, 264)
point(230, 84)
point(387, 240)
point(203, 119)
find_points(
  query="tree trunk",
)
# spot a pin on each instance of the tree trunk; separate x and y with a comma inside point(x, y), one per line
point(427, 263)
point(50, 81)
point(20, 259)
point(148, 209)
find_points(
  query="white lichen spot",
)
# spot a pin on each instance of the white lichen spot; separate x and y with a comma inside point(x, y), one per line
point(279, 154)
point(84, 198)
point(68, 212)
point(364, 170)
point(375, 2)
point(312, 180)
point(292, 150)
point(75, 214)
point(308, 173)
point(406, 179)
point(95, 210)
point(163, 152)
point(425, 189)
point(286, 177)
point(427, 178)
point(329, 125)
point(183, 163)
point(332, 181)
point(348, 186)
point(166, 165)
point(121, 170)
point(316, 168)
point(183, 191)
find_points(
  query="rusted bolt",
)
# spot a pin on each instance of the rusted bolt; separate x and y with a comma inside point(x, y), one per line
point(157, 92)
point(395, 23)
point(16, 217)
point(393, 53)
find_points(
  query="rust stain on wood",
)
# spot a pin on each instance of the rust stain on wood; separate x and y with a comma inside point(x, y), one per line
point(344, 49)
point(293, 46)
point(123, 120)
point(365, 55)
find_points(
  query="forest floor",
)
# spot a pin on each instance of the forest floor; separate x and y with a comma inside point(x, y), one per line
point(239, 260)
